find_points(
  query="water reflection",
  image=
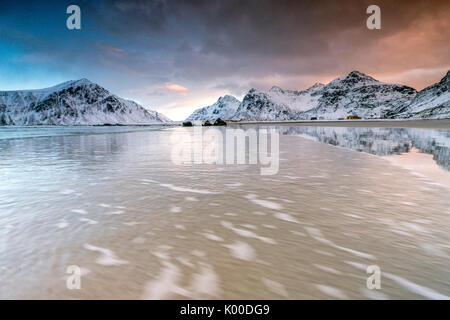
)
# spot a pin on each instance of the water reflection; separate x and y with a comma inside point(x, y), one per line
point(381, 141)
point(140, 226)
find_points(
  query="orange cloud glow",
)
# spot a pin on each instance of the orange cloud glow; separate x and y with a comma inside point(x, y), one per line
point(175, 87)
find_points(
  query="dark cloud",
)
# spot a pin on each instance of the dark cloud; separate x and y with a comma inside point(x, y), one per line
point(211, 39)
point(233, 45)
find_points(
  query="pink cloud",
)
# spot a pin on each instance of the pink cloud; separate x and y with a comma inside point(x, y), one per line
point(175, 87)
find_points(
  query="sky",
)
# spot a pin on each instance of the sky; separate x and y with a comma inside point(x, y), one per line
point(175, 56)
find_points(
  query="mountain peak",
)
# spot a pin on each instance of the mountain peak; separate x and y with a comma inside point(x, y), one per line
point(355, 74)
point(447, 76)
point(82, 81)
point(276, 89)
point(353, 79)
point(445, 81)
point(227, 97)
point(70, 83)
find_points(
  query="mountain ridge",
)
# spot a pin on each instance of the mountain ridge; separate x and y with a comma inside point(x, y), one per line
point(431, 102)
point(223, 108)
point(355, 94)
point(74, 102)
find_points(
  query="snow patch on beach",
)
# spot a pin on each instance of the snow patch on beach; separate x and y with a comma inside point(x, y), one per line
point(107, 257)
point(241, 250)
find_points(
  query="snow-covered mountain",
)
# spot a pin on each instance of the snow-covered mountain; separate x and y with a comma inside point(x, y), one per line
point(433, 102)
point(79, 102)
point(277, 104)
point(224, 109)
point(354, 94)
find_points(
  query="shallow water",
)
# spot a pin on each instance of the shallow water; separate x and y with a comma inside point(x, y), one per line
point(139, 226)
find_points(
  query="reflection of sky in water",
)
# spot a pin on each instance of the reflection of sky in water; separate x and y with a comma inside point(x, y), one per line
point(117, 206)
point(381, 141)
point(422, 164)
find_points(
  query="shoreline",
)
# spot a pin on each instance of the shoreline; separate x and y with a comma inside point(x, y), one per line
point(384, 123)
point(371, 123)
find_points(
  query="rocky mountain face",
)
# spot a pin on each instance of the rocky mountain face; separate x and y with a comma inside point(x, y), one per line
point(277, 104)
point(79, 102)
point(354, 94)
point(82, 102)
point(224, 108)
point(433, 102)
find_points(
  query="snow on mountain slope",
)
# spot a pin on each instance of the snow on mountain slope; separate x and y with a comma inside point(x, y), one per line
point(78, 102)
point(433, 102)
point(224, 108)
point(277, 104)
point(296, 100)
point(361, 95)
point(353, 94)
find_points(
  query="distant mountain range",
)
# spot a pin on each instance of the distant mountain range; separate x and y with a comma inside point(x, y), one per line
point(82, 102)
point(79, 102)
point(355, 94)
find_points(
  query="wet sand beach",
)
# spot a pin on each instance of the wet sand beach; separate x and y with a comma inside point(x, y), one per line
point(141, 227)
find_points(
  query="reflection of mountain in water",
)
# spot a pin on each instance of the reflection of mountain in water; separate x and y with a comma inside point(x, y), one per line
point(381, 141)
